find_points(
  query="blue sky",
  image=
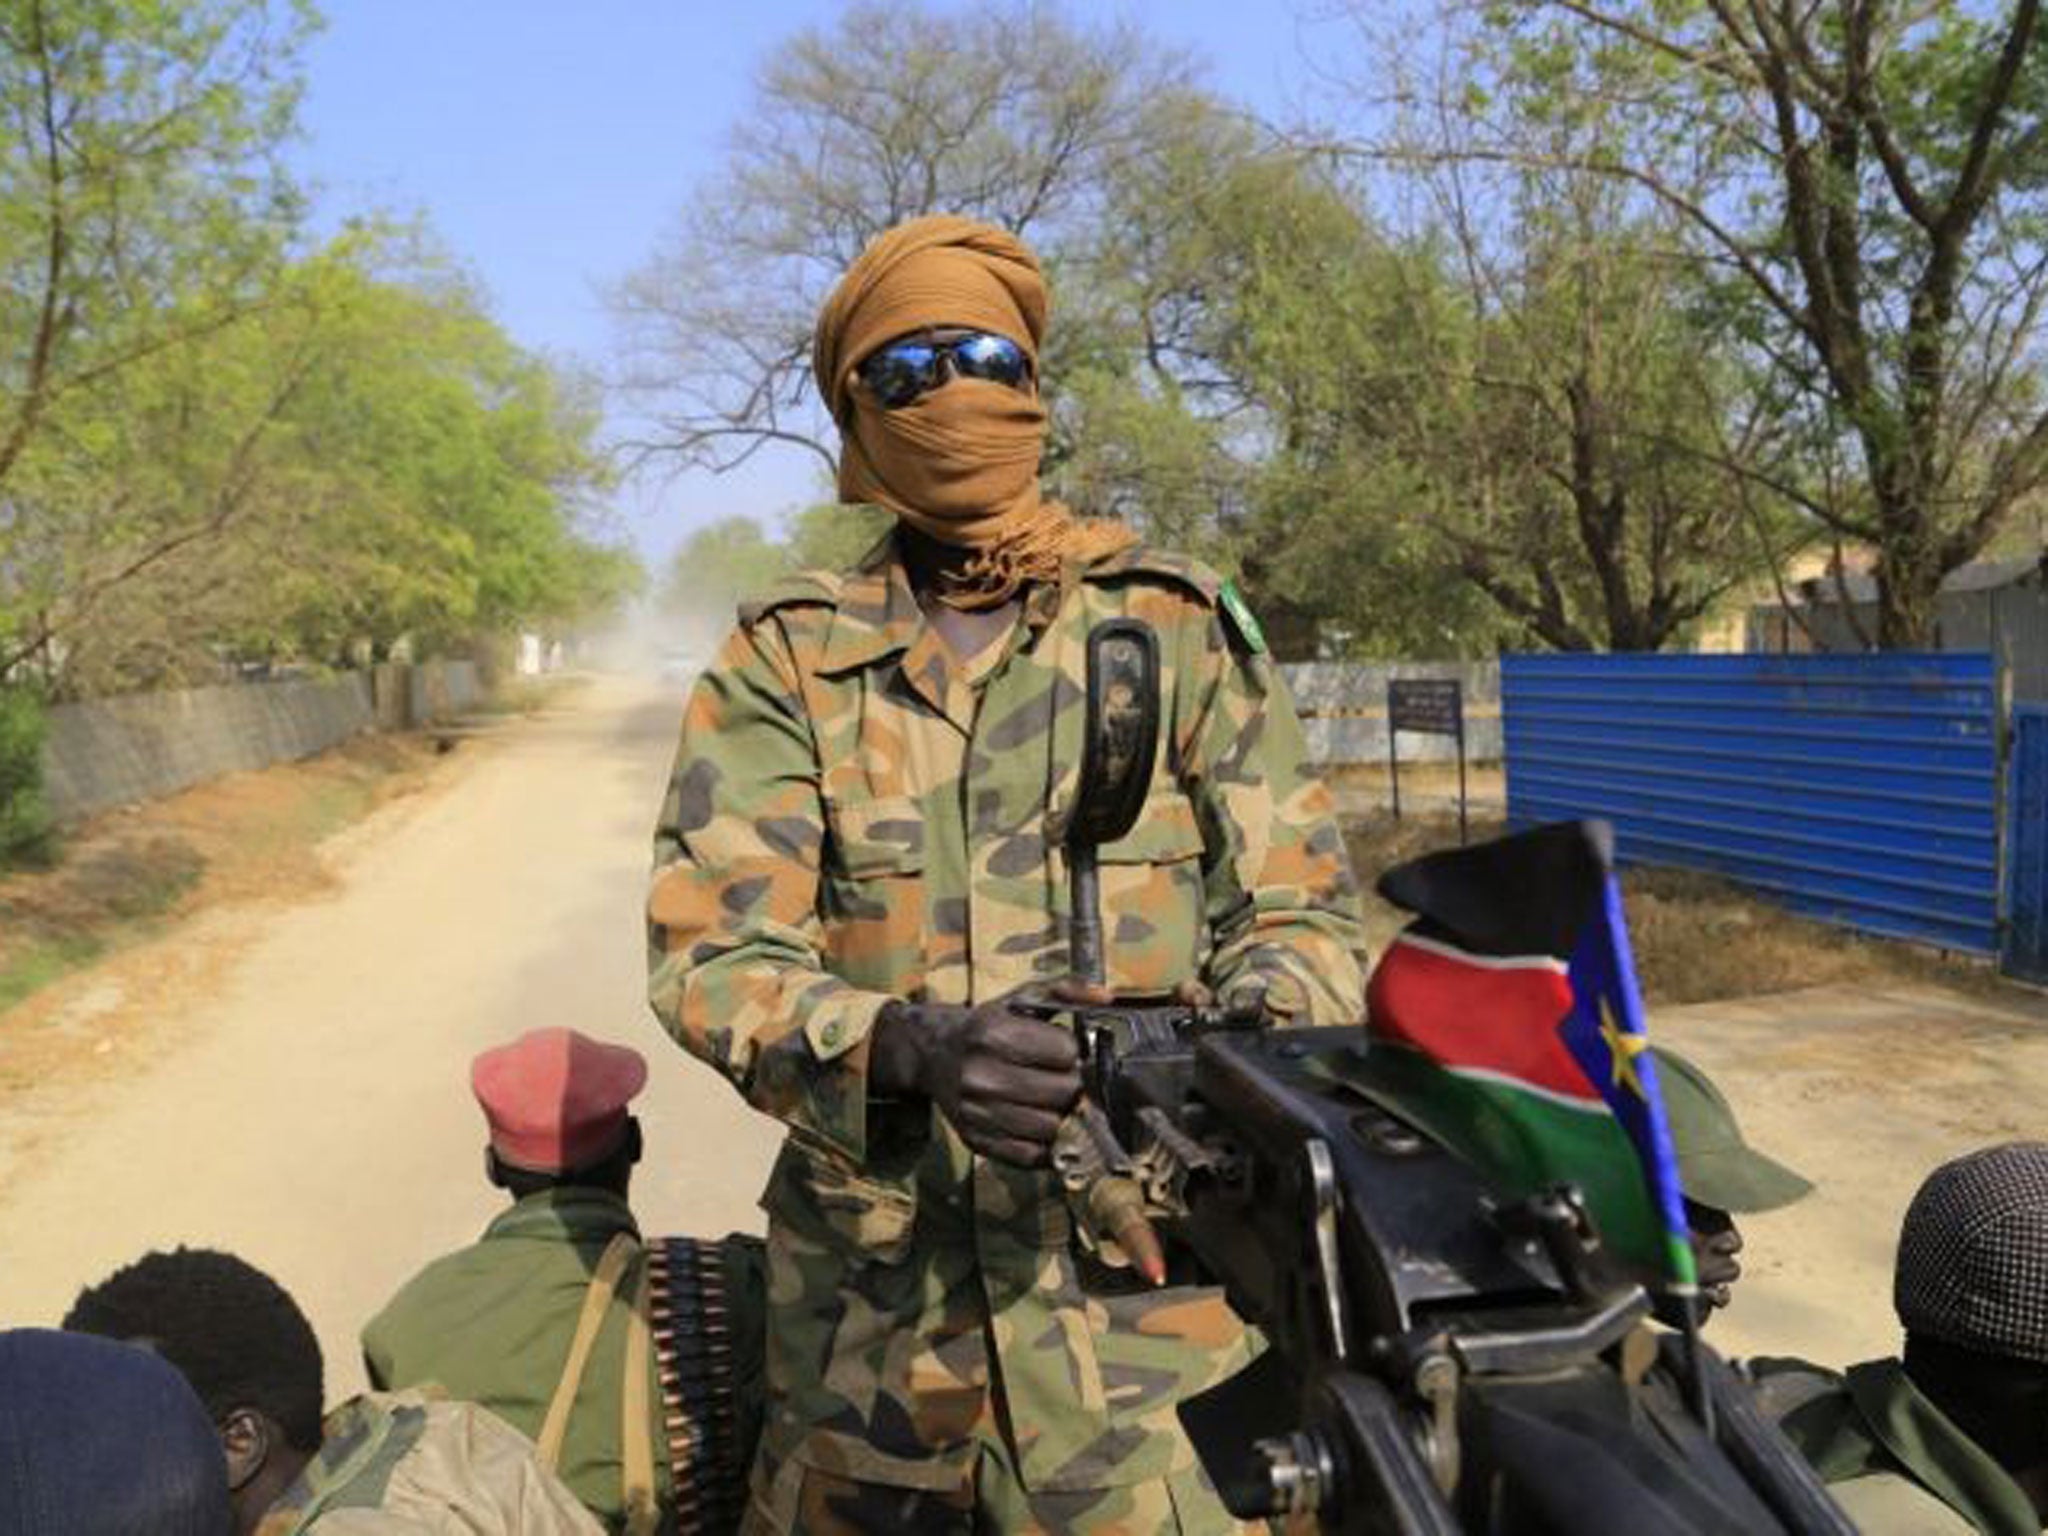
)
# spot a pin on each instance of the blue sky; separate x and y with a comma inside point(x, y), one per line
point(550, 145)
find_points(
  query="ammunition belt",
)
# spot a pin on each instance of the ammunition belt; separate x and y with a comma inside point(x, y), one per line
point(694, 1366)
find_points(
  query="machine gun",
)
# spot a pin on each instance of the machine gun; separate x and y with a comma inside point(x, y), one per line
point(1443, 1357)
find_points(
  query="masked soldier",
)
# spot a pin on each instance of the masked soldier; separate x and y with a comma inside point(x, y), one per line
point(858, 863)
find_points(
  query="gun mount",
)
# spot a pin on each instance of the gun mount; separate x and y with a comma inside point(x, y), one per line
point(1443, 1357)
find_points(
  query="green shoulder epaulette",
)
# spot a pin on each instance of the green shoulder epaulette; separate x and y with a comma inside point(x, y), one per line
point(800, 588)
point(1238, 614)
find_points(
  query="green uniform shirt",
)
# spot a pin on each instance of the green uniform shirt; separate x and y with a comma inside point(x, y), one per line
point(856, 815)
point(491, 1324)
point(1892, 1459)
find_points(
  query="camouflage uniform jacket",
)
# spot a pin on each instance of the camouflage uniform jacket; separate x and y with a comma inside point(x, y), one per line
point(399, 1462)
point(853, 816)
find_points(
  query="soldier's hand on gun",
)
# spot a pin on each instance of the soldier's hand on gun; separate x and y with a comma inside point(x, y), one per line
point(1002, 1079)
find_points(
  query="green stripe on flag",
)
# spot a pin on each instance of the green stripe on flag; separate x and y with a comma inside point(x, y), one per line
point(1521, 1140)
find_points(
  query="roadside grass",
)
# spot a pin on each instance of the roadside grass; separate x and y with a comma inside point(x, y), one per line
point(126, 876)
point(67, 914)
point(1697, 939)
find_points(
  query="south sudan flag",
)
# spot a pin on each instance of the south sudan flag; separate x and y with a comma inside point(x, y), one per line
point(1507, 1021)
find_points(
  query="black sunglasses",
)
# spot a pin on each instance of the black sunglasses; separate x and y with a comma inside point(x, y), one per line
point(898, 373)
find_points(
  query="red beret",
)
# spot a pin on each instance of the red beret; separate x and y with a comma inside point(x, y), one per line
point(556, 1100)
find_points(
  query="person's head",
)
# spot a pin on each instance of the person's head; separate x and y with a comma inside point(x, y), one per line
point(101, 1439)
point(1971, 1291)
point(1724, 1176)
point(926, 354)
point(555, 1102)
point(241, 1342)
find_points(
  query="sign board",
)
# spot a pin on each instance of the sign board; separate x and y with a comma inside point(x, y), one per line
point(1433, 706)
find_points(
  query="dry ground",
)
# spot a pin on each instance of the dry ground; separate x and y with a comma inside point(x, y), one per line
point(1697, 939)
point(133, 875)
point(1864, 1089)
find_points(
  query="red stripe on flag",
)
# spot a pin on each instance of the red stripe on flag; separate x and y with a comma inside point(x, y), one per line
point(1498, 1016)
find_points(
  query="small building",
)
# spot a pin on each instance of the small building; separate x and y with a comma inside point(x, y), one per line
point(2000, 606)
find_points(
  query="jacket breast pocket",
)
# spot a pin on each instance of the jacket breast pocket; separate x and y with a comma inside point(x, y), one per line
point(872, 893)
point(1153, 922)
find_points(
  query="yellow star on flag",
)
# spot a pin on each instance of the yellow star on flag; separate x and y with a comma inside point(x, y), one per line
point(1623, 1048)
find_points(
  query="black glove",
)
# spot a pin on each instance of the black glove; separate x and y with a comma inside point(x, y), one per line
point(1002, 1079)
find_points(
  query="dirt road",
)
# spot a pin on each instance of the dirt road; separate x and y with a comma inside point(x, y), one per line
point(1864, 1090)
point(307, 1103)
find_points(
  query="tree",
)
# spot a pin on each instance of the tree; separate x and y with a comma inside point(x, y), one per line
point(142, 217)
point(1475, 430)
point(1226, 278)
point(1004, 112)
point(140, 200)
point(1581, 439)
point(437, 477)
point(1862, 179)
point(831, 536)
point(112, 553)
point(716, 567)
point(367, 457)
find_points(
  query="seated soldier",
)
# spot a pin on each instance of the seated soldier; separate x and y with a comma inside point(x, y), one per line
point(624, 1361)
point(101, 1439)
point(1724, 1176)
point(1954, 1437)
point(378, 1463)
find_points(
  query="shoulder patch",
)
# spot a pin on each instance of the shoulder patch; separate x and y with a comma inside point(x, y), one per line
point(803, 588)
point(1242, 620)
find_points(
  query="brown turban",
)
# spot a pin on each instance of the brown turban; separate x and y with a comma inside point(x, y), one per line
point(959, 463)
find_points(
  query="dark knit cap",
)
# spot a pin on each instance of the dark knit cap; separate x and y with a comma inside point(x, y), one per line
point(99, 1438)
point(1973, 1253)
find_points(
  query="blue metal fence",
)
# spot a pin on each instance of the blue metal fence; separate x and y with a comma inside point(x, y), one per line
point(2026, 848)
point(1862, 789)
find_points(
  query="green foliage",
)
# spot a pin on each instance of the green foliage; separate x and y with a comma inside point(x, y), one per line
point(25, 830)
point(735, 558)
point(1407, 443)
point(140, 201)
point(366, 457)
point(217, 441)
point(1856, 189)
point(717, 566)
point(833, 537)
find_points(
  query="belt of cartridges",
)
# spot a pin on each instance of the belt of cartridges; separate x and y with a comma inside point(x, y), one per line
point(693, 1358)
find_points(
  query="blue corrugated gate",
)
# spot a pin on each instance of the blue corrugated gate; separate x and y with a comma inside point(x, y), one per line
point(2026, 849)
point(1861, 789)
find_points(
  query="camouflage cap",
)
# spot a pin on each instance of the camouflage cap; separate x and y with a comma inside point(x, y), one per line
point(1973, 1253)
point(1718, 1167)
